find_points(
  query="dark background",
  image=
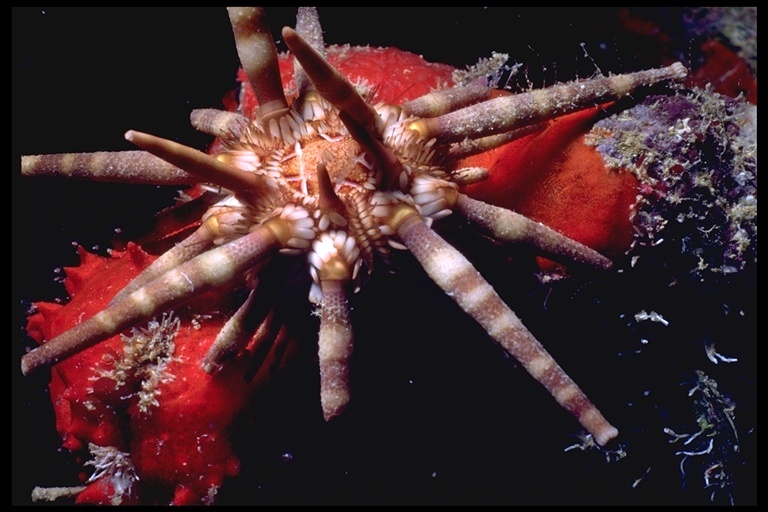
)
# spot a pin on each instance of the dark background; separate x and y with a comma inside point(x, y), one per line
point(441, 416)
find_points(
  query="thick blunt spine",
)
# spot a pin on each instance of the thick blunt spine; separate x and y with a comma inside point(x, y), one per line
point(235, 334)
point(258, 56)
point(331, 84)
point(114, 167)
point(335, 345)
point(208, 270)
point(441, 102)
point(185, 250)
point(308, 27)
point(459, 279)
point(205, 167)
point(507, 226)
point(509, 112)
point(219, 123)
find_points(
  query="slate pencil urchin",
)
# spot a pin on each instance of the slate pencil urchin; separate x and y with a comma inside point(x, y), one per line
point(292, 191)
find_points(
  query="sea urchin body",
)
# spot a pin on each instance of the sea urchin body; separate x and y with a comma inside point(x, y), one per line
point(323, 174)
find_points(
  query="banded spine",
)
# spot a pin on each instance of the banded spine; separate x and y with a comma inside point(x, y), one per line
point(208, 270)
point(452, 272)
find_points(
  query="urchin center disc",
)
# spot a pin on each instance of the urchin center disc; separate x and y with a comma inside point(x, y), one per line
point(342, 156)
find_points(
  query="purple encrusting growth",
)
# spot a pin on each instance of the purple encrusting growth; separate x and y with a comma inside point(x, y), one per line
point(695, 155)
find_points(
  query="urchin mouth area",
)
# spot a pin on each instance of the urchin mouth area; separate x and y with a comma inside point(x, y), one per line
point(342, 157)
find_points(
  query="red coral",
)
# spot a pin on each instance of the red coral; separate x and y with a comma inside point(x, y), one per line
point(182, 443)
point(728, 73)
point(554, 177)
point(407, 75)
point(78, 423)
